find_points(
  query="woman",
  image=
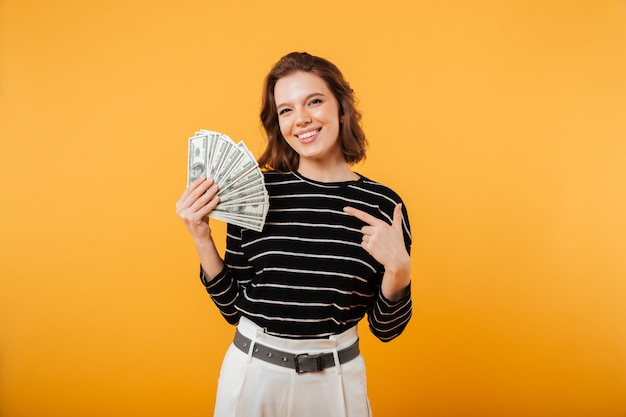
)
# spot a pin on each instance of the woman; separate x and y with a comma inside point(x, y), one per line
point(335, 247)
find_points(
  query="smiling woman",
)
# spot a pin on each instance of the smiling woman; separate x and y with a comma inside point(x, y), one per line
point(335, 248)
point(314, 84)
point(500, 123)
point(309, 121)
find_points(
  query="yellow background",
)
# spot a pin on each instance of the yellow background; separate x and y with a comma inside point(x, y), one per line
point(501, 123)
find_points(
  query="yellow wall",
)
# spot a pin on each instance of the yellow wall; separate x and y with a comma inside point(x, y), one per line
point(501, 123)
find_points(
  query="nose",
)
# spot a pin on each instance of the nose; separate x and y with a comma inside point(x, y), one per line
point(302, 118)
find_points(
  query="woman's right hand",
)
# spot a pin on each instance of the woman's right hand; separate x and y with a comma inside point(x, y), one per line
point(194, 206)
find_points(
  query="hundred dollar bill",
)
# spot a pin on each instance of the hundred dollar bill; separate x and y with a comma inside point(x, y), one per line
point(250, 183)
point(246, 222)
point(212, 137)
point(243, 218)
point(241, 204)
point(235, 153)
point(256, 225)
point(256, 210)
point(197, 158)
point(245, 164)
point(249, 207)
point(244, 200)
point(253, 177)
point(222, 147)
point(243, 194)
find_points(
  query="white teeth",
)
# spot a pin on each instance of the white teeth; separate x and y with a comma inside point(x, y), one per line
point(308, 134)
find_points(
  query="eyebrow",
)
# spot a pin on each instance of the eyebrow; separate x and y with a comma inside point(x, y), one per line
point(308, 97)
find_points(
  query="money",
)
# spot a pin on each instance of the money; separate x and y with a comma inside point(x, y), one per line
point(197, 158)
point(244, 200)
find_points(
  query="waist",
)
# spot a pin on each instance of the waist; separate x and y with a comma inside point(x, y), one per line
point(252, 331)
point(308, 355)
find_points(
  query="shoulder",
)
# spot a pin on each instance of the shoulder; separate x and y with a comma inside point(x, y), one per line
point(383, 199)
point(377, 190)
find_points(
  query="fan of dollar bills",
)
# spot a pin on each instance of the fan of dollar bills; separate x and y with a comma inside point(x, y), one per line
point(243, 197)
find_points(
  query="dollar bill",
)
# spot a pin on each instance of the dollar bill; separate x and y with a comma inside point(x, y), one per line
point(212, 138)
point(249, 209)
point(243, 194)
point(256, 225)
point(244, 165)
point(197, 158)
point(223, 145)
point(242, 204)
point(235, 154)
point(244, 200)
point(250, 178)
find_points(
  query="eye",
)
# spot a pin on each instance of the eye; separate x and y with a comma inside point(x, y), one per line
point(315, 101)
point(283, 111)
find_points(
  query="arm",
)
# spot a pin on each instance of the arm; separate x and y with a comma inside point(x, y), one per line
point(386, 244)
point(194, 206)
point(225, 288)
point(389, 245)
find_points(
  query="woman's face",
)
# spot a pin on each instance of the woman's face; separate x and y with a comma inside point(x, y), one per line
point(308, 115)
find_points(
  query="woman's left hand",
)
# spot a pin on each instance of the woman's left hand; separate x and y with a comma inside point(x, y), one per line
point(383, 241)
point(386, 244)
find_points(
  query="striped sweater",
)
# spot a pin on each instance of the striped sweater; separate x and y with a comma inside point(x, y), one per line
point(305, 275)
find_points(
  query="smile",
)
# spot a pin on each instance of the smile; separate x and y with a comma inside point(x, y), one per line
point(308, 134)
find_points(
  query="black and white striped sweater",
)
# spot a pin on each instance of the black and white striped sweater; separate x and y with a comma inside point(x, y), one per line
point(305, 275)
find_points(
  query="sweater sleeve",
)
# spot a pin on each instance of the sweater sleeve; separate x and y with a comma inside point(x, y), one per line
point(388, 319)
point(224, 289)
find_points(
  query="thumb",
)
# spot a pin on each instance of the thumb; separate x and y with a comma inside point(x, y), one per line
point(397, 217)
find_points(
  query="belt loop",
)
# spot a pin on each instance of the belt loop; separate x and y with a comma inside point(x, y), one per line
point(251, 351)
point(335, 352)
point(253, 343)
point(337, 363)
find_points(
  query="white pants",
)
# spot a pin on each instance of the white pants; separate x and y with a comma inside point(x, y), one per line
point(251, 387)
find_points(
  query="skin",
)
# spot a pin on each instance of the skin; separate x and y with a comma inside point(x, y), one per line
point(194, 206)
point(386, 244)
point(309, 120)
point(305, 105)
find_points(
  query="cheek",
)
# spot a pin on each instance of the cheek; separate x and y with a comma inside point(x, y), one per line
point(330, 116)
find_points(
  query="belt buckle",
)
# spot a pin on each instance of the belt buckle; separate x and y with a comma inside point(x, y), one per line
point(303, 367)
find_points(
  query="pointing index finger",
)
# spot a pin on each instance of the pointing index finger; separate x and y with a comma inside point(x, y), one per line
point(361, 215)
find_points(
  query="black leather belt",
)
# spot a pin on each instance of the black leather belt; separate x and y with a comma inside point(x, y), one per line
point(302, 362)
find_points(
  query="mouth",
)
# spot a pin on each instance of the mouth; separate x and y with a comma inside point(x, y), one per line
point(307, 135)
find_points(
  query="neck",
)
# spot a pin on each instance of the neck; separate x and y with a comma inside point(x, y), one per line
point(325, 172)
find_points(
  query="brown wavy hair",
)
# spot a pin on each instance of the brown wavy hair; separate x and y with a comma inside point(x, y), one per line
point(278, 155)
